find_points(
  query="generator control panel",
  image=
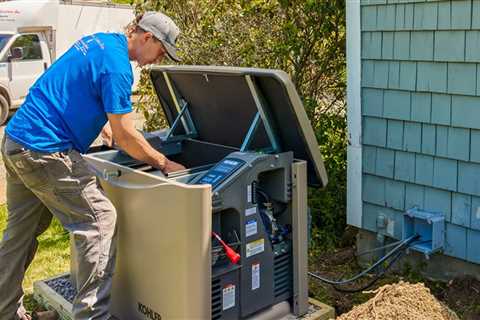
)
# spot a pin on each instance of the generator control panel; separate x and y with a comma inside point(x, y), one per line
point(221, 171)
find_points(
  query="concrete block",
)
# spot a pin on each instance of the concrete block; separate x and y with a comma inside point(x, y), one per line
point(408, 75)
point(450, 46)
point(368, 73)
point(442, 141)
point(395, 194)
point(461, 14)
point(369, 18)
point(421, 107)
point(374, 131)
point(385, 163)
point(412, 140)
point(472, 46)
point(424, 170)
point(473, 249)
point(401, 47)
point(396, 105)
point(476, 14)
point(441, 109)
point(386, 17)
point(462, 78)
point(414, 196)
point(438, 201)
point(475, 213)
point(445, 174)
point(429, 136)
point(432, 77)
point(404, 166)
point(444, 15)
point(425, 17)
point(421, 46)
point(475, 145)
point(371, 45)
point(394, 75)
point(466, 112)
point(372, 102)
point(461, 208)
point(387, 45)
point(469, 178)
point(456, 241)
point(380, 77)
point(373, 189)
point(395, 134)
point(458, 143)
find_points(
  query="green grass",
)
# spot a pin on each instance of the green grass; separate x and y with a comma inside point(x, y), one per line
point(52, 258)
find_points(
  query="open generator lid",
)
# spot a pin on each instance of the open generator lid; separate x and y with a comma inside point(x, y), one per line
point(239, 107)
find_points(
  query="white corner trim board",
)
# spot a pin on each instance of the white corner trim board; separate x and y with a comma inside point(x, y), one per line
point(354, 115)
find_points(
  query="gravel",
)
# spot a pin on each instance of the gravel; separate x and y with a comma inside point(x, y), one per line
point(63, 287)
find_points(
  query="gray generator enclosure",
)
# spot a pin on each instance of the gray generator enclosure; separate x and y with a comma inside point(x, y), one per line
point(250, 153)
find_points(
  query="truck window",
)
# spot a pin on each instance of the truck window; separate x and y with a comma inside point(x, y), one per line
point(3, 40)
point(31, 47)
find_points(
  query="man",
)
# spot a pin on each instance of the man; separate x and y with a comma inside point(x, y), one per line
point(63, 113)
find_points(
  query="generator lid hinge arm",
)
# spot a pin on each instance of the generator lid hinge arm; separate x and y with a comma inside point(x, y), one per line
point(263, 115)
point(184, 115)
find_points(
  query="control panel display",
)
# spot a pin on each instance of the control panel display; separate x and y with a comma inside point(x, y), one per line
point(221, 171)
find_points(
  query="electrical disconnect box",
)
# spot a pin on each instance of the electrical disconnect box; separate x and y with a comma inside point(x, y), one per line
point(226, 238)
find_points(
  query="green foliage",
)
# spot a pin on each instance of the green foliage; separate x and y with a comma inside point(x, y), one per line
point(305, 38)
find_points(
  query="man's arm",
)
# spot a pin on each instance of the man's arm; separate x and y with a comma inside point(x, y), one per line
point(132, 142)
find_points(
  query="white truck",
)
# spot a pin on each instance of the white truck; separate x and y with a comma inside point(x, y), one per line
point(33, 33)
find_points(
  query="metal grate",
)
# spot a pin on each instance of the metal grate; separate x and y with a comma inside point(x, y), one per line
point(216, 300)
point(283, 274)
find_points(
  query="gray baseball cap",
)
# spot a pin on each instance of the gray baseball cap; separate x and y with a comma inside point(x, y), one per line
point(164, 29)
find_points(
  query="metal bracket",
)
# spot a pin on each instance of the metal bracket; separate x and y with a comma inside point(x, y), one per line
point(263, 114)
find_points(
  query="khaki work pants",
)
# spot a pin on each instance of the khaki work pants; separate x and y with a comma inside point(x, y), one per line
point(60, 183)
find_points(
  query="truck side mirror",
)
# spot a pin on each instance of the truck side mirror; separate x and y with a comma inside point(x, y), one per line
point(17, 53)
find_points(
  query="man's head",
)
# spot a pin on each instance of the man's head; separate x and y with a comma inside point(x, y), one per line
point(152, 38)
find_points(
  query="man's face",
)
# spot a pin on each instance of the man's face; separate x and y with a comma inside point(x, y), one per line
point(147, 49)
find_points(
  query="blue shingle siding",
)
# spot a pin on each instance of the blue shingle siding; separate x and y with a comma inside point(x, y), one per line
point(429, 135)
point(395, 135)
point(472, 46)
point(396, 105)
point(449, 46)
point(461, 208)
point(372, 102)
point(432, 77)
point(462, 78)
point(421, 116)
point(473, 247)
point(475, 214)
point(425, 16)
point(475, 146)
point(385, 162)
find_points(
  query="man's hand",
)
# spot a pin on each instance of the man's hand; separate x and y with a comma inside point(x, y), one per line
point(171, 166)
point(133, 143)
point(107, 135)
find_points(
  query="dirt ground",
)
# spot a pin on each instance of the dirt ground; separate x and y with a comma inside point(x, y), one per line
point(461, 295)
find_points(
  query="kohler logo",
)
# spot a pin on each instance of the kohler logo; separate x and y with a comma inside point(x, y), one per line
point(149, 313)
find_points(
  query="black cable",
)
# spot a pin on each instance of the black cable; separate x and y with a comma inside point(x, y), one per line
point(404, 243)
point(377, 276)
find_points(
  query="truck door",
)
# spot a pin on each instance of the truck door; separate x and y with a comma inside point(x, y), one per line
point(29, 59)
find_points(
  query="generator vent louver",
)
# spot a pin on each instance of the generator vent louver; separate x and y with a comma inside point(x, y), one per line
point(282, 274)
point(216, 300)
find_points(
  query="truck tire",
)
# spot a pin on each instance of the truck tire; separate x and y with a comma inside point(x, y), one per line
point(4, 110)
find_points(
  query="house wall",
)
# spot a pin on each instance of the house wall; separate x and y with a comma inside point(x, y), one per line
point(420, 113)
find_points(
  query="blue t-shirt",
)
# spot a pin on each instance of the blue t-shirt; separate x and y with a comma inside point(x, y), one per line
point(66, 108)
